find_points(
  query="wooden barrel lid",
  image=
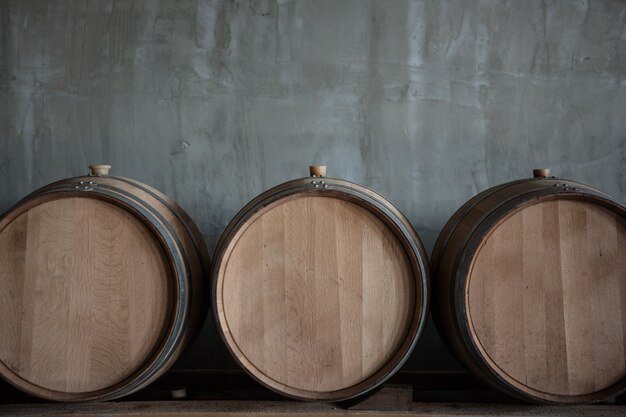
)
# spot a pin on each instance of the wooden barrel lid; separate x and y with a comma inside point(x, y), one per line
point(316, 294)
point(85, 294)
point(546, 297)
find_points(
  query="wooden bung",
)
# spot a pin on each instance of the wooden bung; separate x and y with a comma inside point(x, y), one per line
point(102, 287)
point(335, 283)
point(541, 172)
point(530, 290)
point(317, 170)
point(99, 169)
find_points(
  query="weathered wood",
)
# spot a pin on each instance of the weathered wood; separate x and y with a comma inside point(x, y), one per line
point(531, 290)
point(320, 292)
point(284, 408)
point(388, 397)
point(102, 282)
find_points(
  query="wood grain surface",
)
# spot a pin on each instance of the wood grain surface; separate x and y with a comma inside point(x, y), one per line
point(317, 294)
point(289, 408)
point(547, 297)
point(84, 295)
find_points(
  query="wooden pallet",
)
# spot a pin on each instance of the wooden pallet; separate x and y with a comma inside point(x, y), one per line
point(284, 408)
point(233, 394)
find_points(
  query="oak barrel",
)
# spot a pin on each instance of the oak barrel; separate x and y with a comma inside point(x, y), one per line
point(102, 282)
point(320, 288)
point(530, 289)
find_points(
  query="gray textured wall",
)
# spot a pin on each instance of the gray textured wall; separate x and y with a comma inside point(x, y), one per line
point(427, 102)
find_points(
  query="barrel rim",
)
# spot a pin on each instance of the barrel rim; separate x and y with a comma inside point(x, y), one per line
point(450, 226)
point(377, 205)
point(490, 371)
point(171, 204)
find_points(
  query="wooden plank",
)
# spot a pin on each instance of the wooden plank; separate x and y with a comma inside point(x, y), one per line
point(267, 409)
point(389, 397)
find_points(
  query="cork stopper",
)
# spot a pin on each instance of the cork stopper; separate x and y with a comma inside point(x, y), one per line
point(541, 172)
point(317, 170)
point(99, 169)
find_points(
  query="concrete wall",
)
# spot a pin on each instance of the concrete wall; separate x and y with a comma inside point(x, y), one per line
point(427, 102)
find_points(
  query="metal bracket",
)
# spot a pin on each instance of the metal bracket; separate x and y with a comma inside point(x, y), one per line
point(566, 187)
point(320, 184)
point(85, 186)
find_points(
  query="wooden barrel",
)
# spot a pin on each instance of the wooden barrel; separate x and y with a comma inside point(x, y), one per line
point(101, 282)
point(530, 289)
point(320, 288)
